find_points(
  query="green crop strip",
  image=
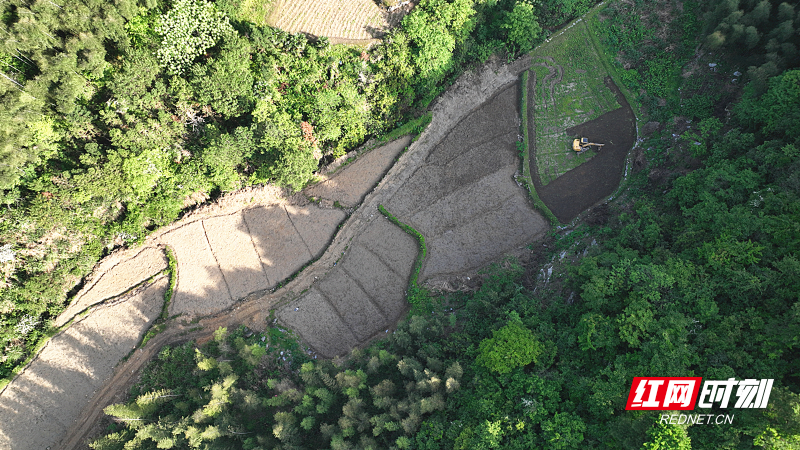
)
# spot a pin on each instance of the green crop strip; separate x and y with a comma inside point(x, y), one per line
point(525, 151)
point(172, 272)
point(417, 296)
point(413, 126)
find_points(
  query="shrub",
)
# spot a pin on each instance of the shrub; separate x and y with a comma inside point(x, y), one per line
point(509, 347)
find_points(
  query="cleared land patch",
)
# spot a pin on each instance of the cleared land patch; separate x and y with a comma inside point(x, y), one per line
point(464, 200)
point(115, 275)
point(344, 310)
point(575, 191)
point(341, 20)
point(352, 182)
point(565, 89)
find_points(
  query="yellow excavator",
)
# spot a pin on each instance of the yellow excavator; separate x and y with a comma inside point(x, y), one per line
point(582, 144)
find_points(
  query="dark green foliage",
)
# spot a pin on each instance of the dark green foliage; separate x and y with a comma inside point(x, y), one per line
point(510, 347)
point(522, 27)
point(761, 36)
point(226, 82)
point(262, 390)
point(776, 111)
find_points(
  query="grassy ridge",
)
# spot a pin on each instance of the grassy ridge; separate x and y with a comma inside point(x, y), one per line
point(160, 325)
point(413, 126)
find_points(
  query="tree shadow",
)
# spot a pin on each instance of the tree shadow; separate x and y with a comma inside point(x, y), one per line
point(38, 406)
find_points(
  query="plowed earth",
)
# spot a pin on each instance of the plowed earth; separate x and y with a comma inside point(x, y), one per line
point(343, 21)
point(596, 179)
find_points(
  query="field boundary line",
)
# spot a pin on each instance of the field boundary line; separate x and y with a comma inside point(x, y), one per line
point(525, 152)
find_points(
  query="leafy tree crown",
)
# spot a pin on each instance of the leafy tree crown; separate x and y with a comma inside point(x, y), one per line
point(189, 29)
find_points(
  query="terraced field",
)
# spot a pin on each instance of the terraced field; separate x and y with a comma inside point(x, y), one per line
point(347, 21)
point(565, 89)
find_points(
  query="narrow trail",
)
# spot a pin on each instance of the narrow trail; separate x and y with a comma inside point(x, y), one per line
point(232, 257)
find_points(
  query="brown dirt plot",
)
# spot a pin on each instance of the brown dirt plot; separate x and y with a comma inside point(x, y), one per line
point(115, 275)
point(351, 183)
point(464, 200)
point(344, 21)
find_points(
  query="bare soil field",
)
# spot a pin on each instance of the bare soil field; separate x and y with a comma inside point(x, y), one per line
point(343, 21)
point(464, 200)
point(580, 188)
point(363, 295)
point(353, 181)
point(40, 405)
point(113, 276)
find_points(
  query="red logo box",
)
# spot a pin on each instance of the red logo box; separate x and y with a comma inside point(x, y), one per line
point(663, 393)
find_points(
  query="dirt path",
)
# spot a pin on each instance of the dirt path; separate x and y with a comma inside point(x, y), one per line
point(596, 179)
point(355, 285)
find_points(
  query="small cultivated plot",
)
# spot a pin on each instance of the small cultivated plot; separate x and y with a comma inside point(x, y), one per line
point(347, 21)
point(565, 89)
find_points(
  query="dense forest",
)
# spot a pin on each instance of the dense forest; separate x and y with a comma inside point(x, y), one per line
point(692, 271)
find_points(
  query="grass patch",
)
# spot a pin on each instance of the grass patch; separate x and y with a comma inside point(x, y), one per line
point(413, 126)
point(417, 296)
point(610, 64)
point(254, 11)
point(525, 154)
point(579, 96)
point(160, 324)
point(172, 272)
point(152, 332)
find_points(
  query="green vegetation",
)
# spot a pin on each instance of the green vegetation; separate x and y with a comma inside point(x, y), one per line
point(253, 11)
point(525, 153)
point(261, 391)
point(160, 323)
point(413, 126)
point(567, 89)
point(187, 30)
point(510, 347)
